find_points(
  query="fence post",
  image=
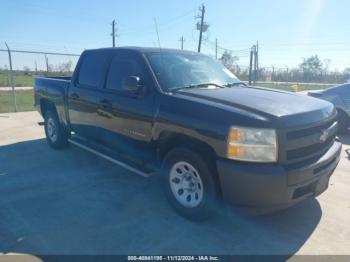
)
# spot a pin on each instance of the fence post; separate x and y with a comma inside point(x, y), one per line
point(11, 79)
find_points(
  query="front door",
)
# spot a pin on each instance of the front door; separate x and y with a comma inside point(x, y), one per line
point(130, 127)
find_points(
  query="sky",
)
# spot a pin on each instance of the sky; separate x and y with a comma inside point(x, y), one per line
point(287, 30)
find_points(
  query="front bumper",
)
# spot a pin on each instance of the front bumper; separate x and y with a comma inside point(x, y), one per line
point(272, 186)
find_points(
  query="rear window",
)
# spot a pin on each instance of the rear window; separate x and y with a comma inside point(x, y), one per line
point(92, 70)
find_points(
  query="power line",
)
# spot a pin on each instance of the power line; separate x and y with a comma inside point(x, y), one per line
point(222, 50)
point(219, 47)
point(307, 44)
point(149, 28)
point(38, 52)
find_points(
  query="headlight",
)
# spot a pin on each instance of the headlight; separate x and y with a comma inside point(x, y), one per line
point(252, 144)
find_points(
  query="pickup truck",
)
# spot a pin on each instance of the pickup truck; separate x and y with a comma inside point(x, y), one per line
point(183, 115)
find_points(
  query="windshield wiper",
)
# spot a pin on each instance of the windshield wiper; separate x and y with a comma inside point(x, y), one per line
point(235, 84)
point(200, 85)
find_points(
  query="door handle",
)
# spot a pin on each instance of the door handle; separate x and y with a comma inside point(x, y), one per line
point(74, 96)
point(106, 103)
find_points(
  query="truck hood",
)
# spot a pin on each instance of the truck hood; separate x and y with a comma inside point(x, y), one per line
point(289, 108)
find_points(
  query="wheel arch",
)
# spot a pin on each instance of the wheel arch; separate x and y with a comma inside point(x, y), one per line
point(170, 140)
point(46, 105)
point(342, 111)
point(343, 120)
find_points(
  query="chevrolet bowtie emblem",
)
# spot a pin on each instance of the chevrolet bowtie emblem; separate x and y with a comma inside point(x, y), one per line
point(324, 135)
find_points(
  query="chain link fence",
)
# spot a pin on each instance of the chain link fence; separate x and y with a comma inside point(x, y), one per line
point(18, 69)
point(292, 79)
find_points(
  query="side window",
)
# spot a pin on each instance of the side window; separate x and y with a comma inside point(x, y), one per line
point(92, 70)
point(120, 68)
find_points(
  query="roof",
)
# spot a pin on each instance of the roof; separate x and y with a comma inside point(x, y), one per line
point(144, 49)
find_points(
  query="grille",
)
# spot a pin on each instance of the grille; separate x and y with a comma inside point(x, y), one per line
point(309, 150)
point(306, 143)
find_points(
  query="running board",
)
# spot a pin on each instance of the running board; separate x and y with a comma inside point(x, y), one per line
point(111, 159)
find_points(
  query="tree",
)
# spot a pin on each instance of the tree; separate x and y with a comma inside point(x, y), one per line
point(347, 74)
point(311, 67)
point(326, 64)
point(26, 70)
point(228, 60)
point(65, 67)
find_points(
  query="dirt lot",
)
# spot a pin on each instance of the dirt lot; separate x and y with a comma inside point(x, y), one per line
point(71, 202)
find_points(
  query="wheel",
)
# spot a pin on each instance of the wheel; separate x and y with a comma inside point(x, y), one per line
point(189, 184)
point(56, 135)
point(343, 122)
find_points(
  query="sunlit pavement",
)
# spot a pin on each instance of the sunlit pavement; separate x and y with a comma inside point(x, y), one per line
point(71, 202)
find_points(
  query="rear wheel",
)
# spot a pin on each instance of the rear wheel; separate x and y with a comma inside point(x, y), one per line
point(56, 135)
point(189, 184)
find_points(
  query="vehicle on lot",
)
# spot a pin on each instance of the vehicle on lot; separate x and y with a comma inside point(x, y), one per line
point(340, 97)
point(182, 113)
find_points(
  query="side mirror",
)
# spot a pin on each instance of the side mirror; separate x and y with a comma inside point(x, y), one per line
point(131, 84)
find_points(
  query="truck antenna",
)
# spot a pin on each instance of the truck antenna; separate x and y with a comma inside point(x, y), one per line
point(156, 28)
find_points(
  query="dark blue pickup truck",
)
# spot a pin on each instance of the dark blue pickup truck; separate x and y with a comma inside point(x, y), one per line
point(184, 115)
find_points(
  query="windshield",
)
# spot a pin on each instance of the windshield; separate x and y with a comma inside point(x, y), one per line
point(178, 70)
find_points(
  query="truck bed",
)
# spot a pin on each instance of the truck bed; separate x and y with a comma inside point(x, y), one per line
point(51, 82)
point(54, 90)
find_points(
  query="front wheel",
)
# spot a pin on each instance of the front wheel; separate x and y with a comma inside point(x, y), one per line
point(56, 135)
point(189, 184)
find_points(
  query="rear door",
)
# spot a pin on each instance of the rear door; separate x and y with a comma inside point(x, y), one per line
point(86, 94)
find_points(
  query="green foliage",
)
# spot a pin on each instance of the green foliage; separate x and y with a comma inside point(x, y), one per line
point(20, 80)
point(287, 87)
point(228, 60)
point(25, 101)
point(347, 71)
point(311, 65)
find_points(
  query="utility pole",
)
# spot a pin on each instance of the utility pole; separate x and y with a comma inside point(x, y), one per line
point(216, 49)
point(202, 9)
point(47, 63)
point(256, 61)
point(113, 33)
point(255, 64)
point(182, 42)
point(11, 79)
point(251, 64)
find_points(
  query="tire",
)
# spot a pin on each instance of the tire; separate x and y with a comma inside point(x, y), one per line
point(343, 122)
point(56, 135)
point(189, 184)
